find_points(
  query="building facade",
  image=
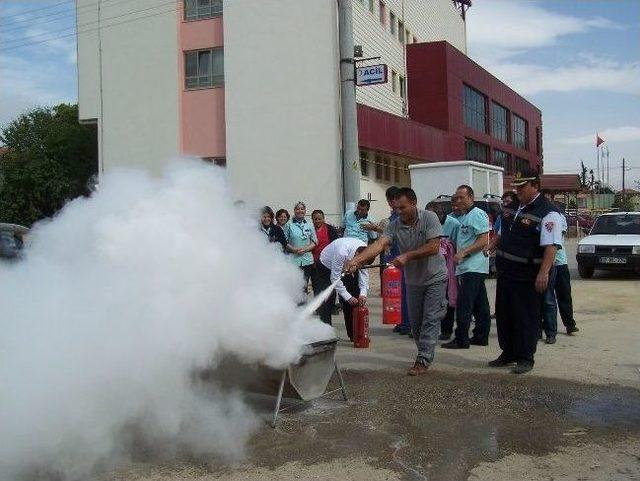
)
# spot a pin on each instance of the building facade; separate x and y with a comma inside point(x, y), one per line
point(254, 86)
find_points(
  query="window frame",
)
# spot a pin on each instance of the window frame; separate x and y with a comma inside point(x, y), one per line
point(212, 80)
point(393, 23)
point(471, 145)
point(401, 32)
point(364, 164)
point(505, 161)
point(520, 139)
point(382, 13)
point(214, 10)
point(473, 117)
point(503, 126)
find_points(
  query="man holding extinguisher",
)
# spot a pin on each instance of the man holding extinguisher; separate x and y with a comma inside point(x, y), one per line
point(417, 233)
point(351, 288)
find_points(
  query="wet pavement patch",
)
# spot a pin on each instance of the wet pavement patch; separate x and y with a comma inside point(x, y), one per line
point(442, 425)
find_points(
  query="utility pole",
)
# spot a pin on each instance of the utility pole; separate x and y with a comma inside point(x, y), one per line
point(623, 169)
point(350, 149)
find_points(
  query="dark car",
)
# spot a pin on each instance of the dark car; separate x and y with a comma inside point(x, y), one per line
point(12, 239)
point(491, 204)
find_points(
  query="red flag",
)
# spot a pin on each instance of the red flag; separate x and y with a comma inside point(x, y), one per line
point(599, 140)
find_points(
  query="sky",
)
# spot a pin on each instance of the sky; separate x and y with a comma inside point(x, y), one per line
point(576, 60)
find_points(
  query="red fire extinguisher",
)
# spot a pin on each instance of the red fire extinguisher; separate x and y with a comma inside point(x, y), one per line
point(361, 326)
point(391, 295)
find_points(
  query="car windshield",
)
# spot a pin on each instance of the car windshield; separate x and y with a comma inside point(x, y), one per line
point(617, 224)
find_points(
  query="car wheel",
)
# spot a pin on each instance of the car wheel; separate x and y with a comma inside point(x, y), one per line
point(586, 272)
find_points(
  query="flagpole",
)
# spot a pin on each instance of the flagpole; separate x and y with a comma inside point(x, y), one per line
point(598, 174)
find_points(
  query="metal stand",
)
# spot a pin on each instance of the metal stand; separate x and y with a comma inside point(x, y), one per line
point(277, 409)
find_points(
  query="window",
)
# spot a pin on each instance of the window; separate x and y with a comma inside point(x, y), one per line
point(204, 68)
point(475, 109)
point(403, 90)
point(476, 151)
point(499, 122)
point(520, 137)
point(199, 9)
point(364, 164)
point(538, 141)
point(378, 167)
point(401, 35)
point(394, 81)
point(392, 23)
point(383, 13)
point(407, 36)
point(219, 161)
point(396, 172)
point(500, 158)
point(387, 169)
point(521, 164)
point(372, 6)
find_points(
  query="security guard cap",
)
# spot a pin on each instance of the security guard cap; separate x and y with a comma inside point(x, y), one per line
point(527, 175)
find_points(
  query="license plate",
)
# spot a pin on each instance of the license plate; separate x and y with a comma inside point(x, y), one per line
point(613, 260)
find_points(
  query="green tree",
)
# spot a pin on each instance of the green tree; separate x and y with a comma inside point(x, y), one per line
point(623, 203)
point(49, 159)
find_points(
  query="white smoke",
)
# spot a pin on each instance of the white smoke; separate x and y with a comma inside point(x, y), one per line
point(119, 298)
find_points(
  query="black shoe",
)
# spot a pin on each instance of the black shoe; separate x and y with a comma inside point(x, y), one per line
point(550, 340)
point(571, 330)
point(454, 345)
point(444, 336)
point(404, 331)
point(410, 334)
point(397, 328)
point(477, 342)
point(522, 367)
point(501, 361)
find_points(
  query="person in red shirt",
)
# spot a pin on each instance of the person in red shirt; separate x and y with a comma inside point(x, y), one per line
point(321, 276)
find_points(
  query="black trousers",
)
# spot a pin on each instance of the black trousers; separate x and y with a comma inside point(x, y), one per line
point(353, 288)
point(446, 325)
point(320, 280)
point(563, 295)
point(518, 318)
point(472, 300)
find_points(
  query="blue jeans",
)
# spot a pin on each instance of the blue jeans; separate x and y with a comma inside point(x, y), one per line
point(550, 307)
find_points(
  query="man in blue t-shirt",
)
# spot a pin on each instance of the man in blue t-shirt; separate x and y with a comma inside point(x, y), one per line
point(358, 224)
point(471, 270)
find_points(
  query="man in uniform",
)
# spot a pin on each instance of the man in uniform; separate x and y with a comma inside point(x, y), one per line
point(417, 233)
point(525, 252)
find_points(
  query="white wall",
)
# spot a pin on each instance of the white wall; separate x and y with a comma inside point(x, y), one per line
point(140, 83)
point(282, 103)
point(428, 20)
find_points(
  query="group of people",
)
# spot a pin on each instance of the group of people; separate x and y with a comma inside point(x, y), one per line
point(445, 261)
point(320, 250)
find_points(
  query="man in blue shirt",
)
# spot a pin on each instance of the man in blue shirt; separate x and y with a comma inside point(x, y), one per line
point(471, 271)
point(358, 224)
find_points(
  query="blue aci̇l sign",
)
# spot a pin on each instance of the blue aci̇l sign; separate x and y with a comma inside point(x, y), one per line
point(371, 75)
